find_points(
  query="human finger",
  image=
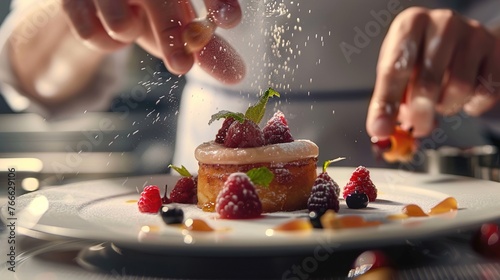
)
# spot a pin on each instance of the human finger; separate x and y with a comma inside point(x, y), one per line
point(225, 13)
point(487, 92)
point(220, 60)
point(463, 73)
point(395, 67)
point(441, 39)
point(87, 26)
point(167, 19)
point(198, 33)
point(121, 20)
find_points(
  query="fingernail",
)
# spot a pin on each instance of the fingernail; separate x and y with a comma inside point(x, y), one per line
point(180, 62)
point(226, 14)
point(382, 127)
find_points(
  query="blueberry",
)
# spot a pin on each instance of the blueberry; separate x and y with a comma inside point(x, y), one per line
point(314, 218)
point(357, 200)
point(172, 215)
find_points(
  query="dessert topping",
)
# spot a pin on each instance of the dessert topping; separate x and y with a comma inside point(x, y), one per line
point(185, 190)
point(242, 130)
point(277, 130)
point(172, 215)
point(244, 135)
point(150, 200)
point(360, 181)
point(356, 200)
point(238, 199)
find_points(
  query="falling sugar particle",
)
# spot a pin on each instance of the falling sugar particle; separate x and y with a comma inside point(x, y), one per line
point(135, 132)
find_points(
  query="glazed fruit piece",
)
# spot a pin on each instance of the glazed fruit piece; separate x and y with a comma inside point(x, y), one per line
point(399, 147)
point(150, 200)
point(185, 190)
point(360, 181)
point(238, 199)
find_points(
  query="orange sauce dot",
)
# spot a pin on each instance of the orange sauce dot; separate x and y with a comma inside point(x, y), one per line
point(131, 201)
point(196, 225)
point(413, 210)
point(447, 205)
point(208, 207)
point(351, 221)
point(293, 225)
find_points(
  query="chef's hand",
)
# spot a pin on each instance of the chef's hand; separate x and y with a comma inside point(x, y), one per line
point(157, 26)
point(433, 61)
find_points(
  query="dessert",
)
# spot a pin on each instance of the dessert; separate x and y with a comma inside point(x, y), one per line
point(241, 145)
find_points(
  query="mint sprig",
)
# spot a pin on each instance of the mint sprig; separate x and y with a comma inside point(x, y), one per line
point(181, 170)
point(256, 112)
point(224, 114)
point(261, 176)
point(327, 163)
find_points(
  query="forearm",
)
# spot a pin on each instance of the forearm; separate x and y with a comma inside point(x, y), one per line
point(51, 65)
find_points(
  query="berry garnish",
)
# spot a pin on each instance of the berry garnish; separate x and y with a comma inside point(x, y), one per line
point(221, 134)
point(314, 219)
point(238, 199)
point(357, 200)
point(325, 191)
point(277, 130)
point(486, 241)
point(185, 190)
point(172, 215)
point(242, 130)
point(244, 135)
point(150, 200)
point(360, 181)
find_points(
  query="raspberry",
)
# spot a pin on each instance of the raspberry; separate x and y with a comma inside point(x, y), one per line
point(238, 198)
point(277, 130)
point(221, 134)
point(150, 200)
point(244, 135)
point(323, 196)
point(360, 181)
point(185, 191)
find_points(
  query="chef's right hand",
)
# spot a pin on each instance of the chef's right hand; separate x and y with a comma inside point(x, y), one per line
point(157, 26)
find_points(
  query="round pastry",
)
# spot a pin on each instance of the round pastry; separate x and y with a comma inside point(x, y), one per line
point(293, 164)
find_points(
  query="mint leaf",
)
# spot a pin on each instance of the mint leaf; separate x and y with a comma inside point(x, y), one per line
point(181, 170)
point(261, 176)
point(256, 112)
point(226, 114)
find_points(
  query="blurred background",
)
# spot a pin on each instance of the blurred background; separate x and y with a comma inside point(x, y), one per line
point(134, 136)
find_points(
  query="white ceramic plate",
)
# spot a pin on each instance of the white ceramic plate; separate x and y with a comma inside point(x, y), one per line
point(105, 210)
